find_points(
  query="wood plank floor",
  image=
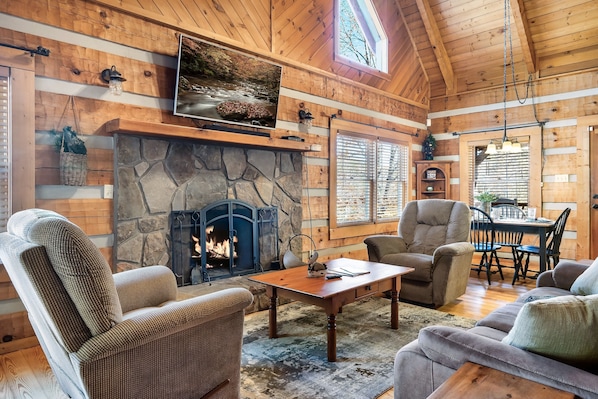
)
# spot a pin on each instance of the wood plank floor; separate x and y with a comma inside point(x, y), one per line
point(25, 373)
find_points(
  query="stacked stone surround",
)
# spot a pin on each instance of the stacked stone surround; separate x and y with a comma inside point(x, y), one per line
point(154, 177)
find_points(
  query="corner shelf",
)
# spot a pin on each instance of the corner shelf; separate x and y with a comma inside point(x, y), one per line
point(215, 136)
point(435, 175)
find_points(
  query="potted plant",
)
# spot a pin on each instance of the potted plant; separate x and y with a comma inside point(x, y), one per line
point(73, 156)
point(486, 198)
point(428, 147)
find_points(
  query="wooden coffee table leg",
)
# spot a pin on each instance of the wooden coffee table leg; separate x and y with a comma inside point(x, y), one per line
point(394, 306)
point(272, 323)
point(331, 335)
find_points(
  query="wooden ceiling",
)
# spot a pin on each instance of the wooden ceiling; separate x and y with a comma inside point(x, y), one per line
point(461, 42)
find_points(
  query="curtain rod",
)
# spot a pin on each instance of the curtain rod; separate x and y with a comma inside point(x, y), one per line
point(335, 116)
point(495, 129)
point(39, 50)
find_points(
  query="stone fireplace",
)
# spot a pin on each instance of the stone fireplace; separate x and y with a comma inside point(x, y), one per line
point(156, 177)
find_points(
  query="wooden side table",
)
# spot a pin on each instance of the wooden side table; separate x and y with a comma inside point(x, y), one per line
point(473, 381)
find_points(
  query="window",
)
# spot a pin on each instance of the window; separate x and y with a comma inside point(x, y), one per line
point(359, 35)
point(17, 133)
point(5, 178)
point(516, 175)
point(369, 175)
point(504, 174)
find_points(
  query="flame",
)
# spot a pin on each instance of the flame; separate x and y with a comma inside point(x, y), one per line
point(217, 249)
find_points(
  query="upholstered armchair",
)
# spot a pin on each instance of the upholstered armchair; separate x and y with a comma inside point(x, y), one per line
point(122, 335)
point(432, 237)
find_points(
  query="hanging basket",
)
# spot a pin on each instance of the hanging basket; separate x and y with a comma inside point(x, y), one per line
point(73, 169)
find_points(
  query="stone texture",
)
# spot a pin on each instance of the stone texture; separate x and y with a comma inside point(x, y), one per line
point(153, 223)
point(154, 150)
point(154, 248)
point(264, 161)
point(131, 249)
point(234, 162)
point(245, 191)
point(128, 150)
point(130, 201)
point(158, 189)
point(204, 189)
point(181, 163)
point(125, 230)
point(211, 156)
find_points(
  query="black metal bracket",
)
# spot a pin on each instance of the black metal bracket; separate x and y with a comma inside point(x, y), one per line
point(39, 50)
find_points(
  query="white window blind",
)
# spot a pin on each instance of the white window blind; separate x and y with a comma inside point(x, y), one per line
point(371, 179)
point(505, 174)
point(5, 183)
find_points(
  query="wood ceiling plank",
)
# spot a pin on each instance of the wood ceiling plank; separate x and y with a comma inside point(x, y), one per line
point(524, 33)
point(435, 38)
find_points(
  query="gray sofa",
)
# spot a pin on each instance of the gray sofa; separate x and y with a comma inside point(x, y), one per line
point(547, 335)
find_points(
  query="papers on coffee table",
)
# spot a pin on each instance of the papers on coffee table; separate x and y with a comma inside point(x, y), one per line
point(346, 272)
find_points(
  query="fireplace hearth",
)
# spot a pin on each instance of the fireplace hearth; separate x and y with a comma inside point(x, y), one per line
point(224, 239)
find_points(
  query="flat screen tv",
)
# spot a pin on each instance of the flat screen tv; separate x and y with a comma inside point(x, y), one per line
point(219, 84)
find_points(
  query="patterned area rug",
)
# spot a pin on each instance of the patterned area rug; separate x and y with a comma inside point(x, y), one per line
point(294, 366)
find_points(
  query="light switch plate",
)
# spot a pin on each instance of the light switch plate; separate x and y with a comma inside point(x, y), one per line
point(108, 191)
point(561, 178)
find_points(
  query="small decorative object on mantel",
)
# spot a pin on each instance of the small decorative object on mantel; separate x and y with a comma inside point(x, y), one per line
point(428, 147)
point(73, 153)
point(431, 174)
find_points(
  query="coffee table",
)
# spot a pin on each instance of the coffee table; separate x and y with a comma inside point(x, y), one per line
point(333, 294)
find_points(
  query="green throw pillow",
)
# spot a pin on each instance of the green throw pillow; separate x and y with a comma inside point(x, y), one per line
point(587, 282)
point(562, 328)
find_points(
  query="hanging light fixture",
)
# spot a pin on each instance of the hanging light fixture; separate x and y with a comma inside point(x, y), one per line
point(507, 146)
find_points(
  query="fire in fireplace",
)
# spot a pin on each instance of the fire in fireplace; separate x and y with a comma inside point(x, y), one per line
point(224, 239)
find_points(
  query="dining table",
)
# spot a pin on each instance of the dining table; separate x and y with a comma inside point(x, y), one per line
point(540, 227)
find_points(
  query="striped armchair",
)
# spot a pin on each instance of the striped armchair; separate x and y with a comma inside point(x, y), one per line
point(122, 335)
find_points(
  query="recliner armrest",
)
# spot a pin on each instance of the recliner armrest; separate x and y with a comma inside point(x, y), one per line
point(164, 321)
point(452, 347)
point(380, 245)
point(453, 249)
point(145, 287)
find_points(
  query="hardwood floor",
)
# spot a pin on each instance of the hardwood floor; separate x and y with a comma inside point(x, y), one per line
point(26, 374)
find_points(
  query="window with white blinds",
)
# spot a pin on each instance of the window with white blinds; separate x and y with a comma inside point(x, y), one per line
point(371, 179)
point(505, 174)
point(5, 183)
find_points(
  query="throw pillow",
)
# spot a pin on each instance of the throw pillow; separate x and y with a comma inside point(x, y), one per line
point(587, 282)
point(562, 328)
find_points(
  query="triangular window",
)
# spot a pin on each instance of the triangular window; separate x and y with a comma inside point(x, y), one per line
point(359, 34)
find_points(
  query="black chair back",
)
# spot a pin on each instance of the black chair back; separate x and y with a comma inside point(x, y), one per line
point(556, 234)
point(482, 237)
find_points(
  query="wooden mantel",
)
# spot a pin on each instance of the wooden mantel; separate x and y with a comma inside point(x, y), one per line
point(213, 136)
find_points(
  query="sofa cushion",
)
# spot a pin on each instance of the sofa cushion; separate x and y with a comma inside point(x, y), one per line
point(84, 272)
point(587, 282)
point(503, 318)
point(562, 328)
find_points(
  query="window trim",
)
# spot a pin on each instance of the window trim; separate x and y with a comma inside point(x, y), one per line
point(22, 129)
point(535, 153)
point(372, 132)
point(383, 55)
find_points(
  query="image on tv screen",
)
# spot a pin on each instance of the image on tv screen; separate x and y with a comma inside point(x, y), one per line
point(224, 85)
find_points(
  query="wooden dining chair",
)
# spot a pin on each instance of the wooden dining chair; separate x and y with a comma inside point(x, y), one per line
point(553, 240)
point(509, 239)
point(482, 237)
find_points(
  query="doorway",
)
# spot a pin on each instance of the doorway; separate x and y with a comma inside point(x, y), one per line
point(587, 187)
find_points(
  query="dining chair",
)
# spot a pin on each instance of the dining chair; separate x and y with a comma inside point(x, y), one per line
point(482, 237)
point(504, 201)
point(510, 239)
point(553, 240)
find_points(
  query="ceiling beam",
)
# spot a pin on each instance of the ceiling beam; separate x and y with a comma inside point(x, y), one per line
point(440, 52)
point(525, 36)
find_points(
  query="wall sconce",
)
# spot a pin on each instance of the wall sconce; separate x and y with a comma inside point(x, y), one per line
point(114, 80)
point(305, 117)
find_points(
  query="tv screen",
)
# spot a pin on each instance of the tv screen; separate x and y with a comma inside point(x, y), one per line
point(219, 84)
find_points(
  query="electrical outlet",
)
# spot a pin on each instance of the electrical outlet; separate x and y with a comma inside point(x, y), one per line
point(561, 178)
point(108, 191)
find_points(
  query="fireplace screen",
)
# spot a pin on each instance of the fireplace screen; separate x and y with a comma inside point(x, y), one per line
point(224, 239)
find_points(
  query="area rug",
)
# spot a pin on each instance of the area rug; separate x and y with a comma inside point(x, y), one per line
point(294, 366)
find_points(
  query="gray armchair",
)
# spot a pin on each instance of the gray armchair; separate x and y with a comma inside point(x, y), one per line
point(433, 238)
point(123, 335)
